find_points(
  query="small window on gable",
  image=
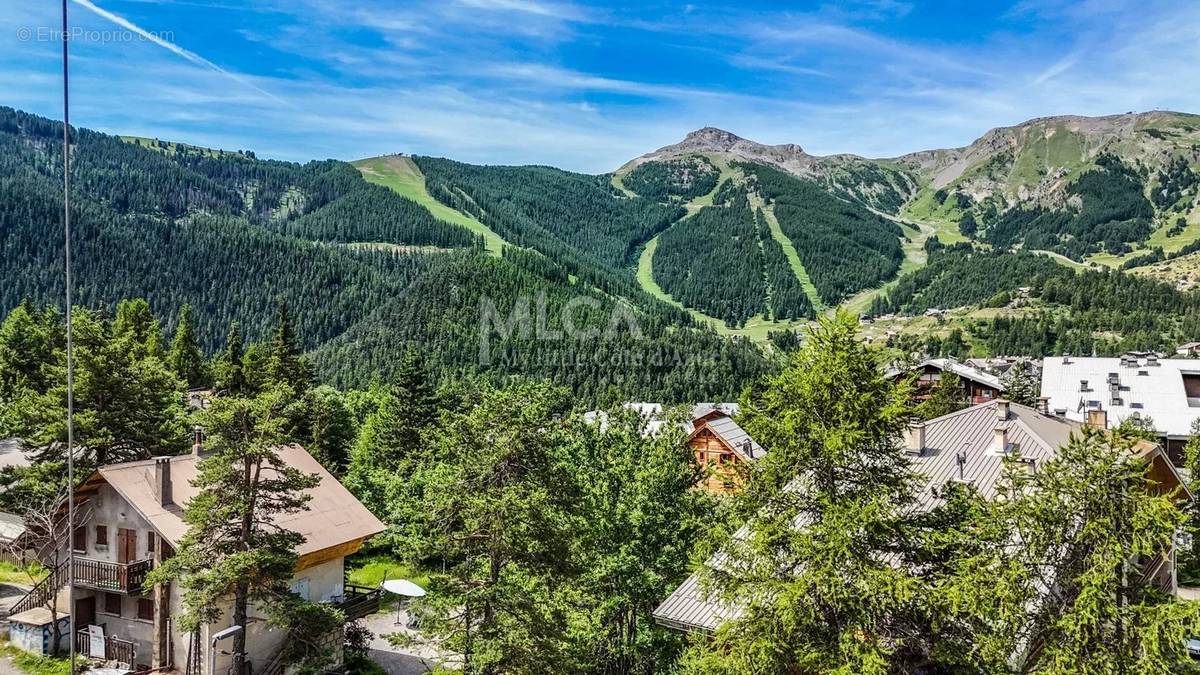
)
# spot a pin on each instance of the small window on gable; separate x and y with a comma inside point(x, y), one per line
point(145, 609)
point(112, 604)
point(101, 536)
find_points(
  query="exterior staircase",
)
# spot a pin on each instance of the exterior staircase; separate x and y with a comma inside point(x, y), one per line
point(42, 592)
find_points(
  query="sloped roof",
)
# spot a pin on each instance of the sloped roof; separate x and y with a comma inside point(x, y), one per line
point(734, 436)
point(971, 431)
point(1146, 390)
point(334, 516)
point(958, 368)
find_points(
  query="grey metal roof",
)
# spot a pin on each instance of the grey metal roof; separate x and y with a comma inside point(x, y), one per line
point(958, 368)
point(737, 438)
point(971, 431)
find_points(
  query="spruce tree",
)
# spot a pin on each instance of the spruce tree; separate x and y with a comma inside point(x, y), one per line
point(185, 358)
point(230, 374)
point(286, 363)
point(827, 509)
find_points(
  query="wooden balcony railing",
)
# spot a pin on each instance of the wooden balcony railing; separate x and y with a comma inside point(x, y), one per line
point(110, 576)
point(115, 649)
point(359, 601)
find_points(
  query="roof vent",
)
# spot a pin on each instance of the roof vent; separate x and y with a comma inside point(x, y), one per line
point(1152, 360)
point(961, 460)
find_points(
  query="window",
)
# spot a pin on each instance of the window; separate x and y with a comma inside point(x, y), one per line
point(80, 539)
point(101, 536)
point(112, 604)
point(149, 542)
point(145, 609)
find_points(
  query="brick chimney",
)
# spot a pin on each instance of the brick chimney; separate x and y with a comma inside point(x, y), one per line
point(197, 440)
point(914, 438)
point(1043, 405)
point(162, 480)
point(1098, 418)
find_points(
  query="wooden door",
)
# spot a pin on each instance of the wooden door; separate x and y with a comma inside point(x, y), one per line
point(85, 612)
point(126, 545)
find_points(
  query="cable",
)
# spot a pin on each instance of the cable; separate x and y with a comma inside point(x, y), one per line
point(70, 347)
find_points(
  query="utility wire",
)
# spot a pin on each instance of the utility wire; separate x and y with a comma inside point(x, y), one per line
point(70, 346)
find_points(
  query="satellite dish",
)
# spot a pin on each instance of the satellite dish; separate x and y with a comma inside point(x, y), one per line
point(402, 587)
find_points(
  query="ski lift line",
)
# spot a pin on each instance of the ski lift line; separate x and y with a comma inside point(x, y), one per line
point(66, 92)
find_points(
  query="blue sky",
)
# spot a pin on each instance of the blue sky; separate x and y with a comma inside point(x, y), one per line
point(588, 85)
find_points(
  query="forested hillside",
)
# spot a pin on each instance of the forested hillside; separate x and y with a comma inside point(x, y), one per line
point(231, 234)
point(844, 247)
point(712, 261)
point(676, 179)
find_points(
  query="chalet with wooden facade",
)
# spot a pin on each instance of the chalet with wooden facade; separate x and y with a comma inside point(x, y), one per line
point(133, 520)
point(723, 446)
point(979, 386)
point(969, 446)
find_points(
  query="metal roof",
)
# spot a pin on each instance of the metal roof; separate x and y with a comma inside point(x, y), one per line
point(971, 431)
point(735, 437)
point(958, 368)
point(1144, 389)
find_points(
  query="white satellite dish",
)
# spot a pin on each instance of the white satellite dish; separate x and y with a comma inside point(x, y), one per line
point(403, 587)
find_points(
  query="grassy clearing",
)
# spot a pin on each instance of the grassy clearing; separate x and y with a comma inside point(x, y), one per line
point(402, 175)
point(170, 147)
point(372, 570)
point(24, 662)
point(789, 251)
point(1158, 238)
point(11, 574)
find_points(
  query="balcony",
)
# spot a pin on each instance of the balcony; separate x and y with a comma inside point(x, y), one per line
point(359, 601)
point(112, 577)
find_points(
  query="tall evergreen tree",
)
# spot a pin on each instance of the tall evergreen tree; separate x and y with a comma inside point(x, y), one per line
point(286, 363)
point(392, 437)
point(233, 547)
point(136, 323)
point(811, 569)
point(185, 358)
point(497, 510)
point(229, 368)
point(1058, 584)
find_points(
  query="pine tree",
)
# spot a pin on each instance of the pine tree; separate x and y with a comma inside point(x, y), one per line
point(233, 547)
point(136, 323)
point(230, 374)
point(185, 357)
point(1020, 384)
point(286, 364)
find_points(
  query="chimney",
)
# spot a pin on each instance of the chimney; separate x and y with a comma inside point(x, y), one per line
point(1002, 410)
point(914, 438)
point(960, 459)
point(1043, 405)
point(1097, 418)
point(1000, 441)
point(1152, 359)
point(162, 480)
point(197, 440)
